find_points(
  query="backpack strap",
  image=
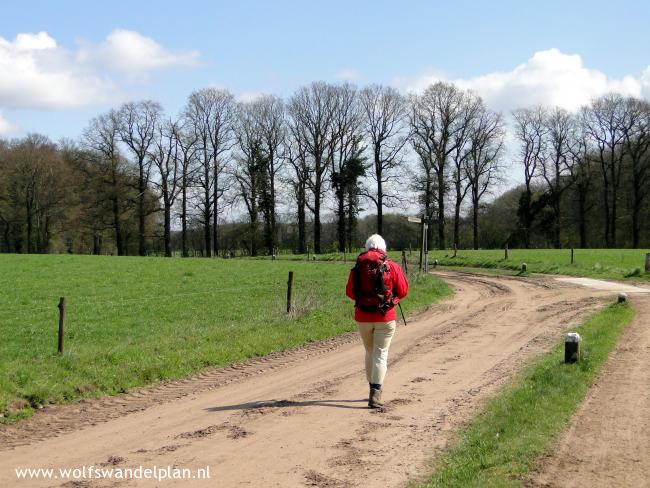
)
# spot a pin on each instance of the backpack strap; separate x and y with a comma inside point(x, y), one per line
point(356, 283)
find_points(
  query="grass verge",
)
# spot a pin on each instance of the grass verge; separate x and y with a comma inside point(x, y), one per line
point(619, 264)
point(500, 445)
point(134, 321)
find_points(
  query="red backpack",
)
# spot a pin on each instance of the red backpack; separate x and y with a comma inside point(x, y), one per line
point(372, 283)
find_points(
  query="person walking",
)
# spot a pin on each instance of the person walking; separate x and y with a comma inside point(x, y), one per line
point(376, 285)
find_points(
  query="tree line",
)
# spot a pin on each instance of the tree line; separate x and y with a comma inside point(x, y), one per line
point(586, 174)
point(296, 173)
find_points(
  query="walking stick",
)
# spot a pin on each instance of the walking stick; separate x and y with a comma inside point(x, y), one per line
point(402, 312)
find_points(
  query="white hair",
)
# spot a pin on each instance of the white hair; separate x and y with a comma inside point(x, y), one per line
point(376, 241)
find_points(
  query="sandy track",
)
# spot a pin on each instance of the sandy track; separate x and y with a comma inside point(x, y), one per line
point(608, 441)
point(299, 418)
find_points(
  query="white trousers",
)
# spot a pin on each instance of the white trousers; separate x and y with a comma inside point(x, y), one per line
point(376, 338)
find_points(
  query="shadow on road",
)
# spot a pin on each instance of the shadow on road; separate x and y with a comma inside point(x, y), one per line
point(289, 403)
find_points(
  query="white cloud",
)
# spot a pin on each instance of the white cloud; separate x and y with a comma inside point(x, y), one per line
point(645, 83)
point(349, 75)
point(132, 53)
point(249, 96)
point(550, 77)
point(34, 42)
point(37, 73)
point(5, 126)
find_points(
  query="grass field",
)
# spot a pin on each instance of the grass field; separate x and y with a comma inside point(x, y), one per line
point(499, 446)
point(597, 263)
point(133, 321)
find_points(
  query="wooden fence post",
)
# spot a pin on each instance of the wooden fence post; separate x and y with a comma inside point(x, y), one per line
point(61, 307)
point(506, 252)
point(405, 263)
point(571, 255)
point(647, 262)
point(289, 287)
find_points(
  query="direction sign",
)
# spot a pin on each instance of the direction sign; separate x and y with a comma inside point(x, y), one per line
point(415, 220)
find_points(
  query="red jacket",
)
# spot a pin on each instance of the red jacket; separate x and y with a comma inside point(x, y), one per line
point(400, 289)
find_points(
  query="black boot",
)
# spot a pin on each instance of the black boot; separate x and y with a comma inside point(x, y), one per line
point(374, 401)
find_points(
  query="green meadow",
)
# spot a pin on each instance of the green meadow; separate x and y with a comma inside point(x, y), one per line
point(133, 321)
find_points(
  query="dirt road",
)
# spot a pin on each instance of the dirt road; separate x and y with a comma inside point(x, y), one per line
point(299, 418)
point(608, 441)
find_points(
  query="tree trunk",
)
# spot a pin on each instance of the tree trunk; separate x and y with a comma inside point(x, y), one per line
point(441, 211)
point(317, 224)
point(184, 251)
point(119, 239)
point(582, 216)
point(274, 230)
point(215, 213)
point(557, 243)
point(30, 225)
point(528, 220)
point(142, 187)
point(206, 211)
point(340, 225)
point(635, 229)
point(97, 244)
point(637, 203)
point(46, 235)
point(457, 222)
point(614, 205)
point(380, 205)
point(606, 215)
point(302, 233)
point(168, 228)
point(475, 223)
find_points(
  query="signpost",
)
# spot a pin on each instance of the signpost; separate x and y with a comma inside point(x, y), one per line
point(424, 248)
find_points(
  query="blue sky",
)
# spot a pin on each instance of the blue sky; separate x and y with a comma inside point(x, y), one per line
point(254, 46)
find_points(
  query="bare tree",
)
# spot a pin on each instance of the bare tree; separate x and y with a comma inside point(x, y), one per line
point(436, 118)
point(137, 128)
point(211, 112)
point(385, 113)
point(101, 138)
point(530, 131)
point(271, 122)
point(296, 155)
point(557, 161)
point(347, 148)
point(636, 143)
point(472, 105)
point(483, 164)
point(165, 156)
point(311, 109)
point(603, 123)
point(187, 139)
point(581, 173)
point(249, 168)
